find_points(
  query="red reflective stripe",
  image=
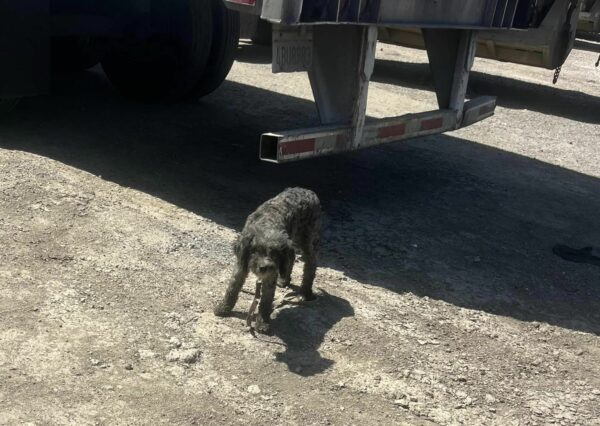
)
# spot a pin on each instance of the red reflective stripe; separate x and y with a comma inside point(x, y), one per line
point(432, 123)
point(395, 130)
point(297, 147)
point(248, 2)
point(485, 109)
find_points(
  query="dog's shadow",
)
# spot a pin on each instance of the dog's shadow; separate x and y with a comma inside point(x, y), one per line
point(302, 328)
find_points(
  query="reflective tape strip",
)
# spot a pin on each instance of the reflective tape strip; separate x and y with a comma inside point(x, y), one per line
point(297, 147)
point(478, 109)
point(432, 123)
point(392, 131)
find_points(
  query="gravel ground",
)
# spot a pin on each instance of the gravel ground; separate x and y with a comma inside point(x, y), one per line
point(440, 300)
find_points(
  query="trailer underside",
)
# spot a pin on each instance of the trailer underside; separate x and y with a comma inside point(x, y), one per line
point(333, 41)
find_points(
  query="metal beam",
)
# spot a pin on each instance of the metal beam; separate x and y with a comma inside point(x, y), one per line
point(451, 54)
point(294, 145)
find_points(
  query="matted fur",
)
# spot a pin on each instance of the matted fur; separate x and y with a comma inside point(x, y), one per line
point(266, 247)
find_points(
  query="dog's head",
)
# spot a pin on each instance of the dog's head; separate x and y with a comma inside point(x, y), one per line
point(263, 252)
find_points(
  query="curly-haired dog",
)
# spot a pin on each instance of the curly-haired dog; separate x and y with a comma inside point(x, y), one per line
point(266, 248)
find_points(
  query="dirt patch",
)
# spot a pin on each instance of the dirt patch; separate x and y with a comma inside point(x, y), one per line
point(440, 300)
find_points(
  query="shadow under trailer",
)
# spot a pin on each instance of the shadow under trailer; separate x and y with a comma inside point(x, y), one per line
point(175, 50)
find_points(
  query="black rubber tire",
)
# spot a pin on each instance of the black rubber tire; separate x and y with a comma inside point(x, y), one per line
point(166, 65)
point(73, 54)
point(7, 105)
point(225, 40)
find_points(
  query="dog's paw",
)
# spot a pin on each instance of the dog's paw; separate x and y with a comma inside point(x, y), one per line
point(308, 297)
point(222, 310)
point(262, 326)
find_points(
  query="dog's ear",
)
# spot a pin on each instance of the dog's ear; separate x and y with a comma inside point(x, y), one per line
point(241, 248)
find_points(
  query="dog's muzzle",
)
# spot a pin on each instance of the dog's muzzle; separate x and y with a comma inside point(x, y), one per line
point(265, 271)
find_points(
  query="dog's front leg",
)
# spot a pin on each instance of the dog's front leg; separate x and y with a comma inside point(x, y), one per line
point(233, 291)
point(285, 269)
point(265, 308)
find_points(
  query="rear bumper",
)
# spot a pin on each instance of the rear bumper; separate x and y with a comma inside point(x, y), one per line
point(284, 147)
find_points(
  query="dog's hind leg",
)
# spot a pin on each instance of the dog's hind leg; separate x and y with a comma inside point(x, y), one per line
point(310, 270)
point(265, 308)
point(233, 290)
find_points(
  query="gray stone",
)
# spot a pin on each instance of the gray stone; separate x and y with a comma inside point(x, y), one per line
point(402, 403)
point(188, 356)
point(489, 399)
point(253, 389)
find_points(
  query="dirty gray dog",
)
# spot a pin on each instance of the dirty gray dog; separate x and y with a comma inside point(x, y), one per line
point(266, 248)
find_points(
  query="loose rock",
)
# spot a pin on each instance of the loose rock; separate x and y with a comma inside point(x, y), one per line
point(402, 403)
point(253, 389)
point(489, 399)
point(146, 354)
point(174, 342)
point(188, 356)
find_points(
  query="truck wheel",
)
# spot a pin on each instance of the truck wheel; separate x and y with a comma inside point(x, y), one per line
point(73, 54)
point(225, 40)
point(7, 104)
point(167, 63)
